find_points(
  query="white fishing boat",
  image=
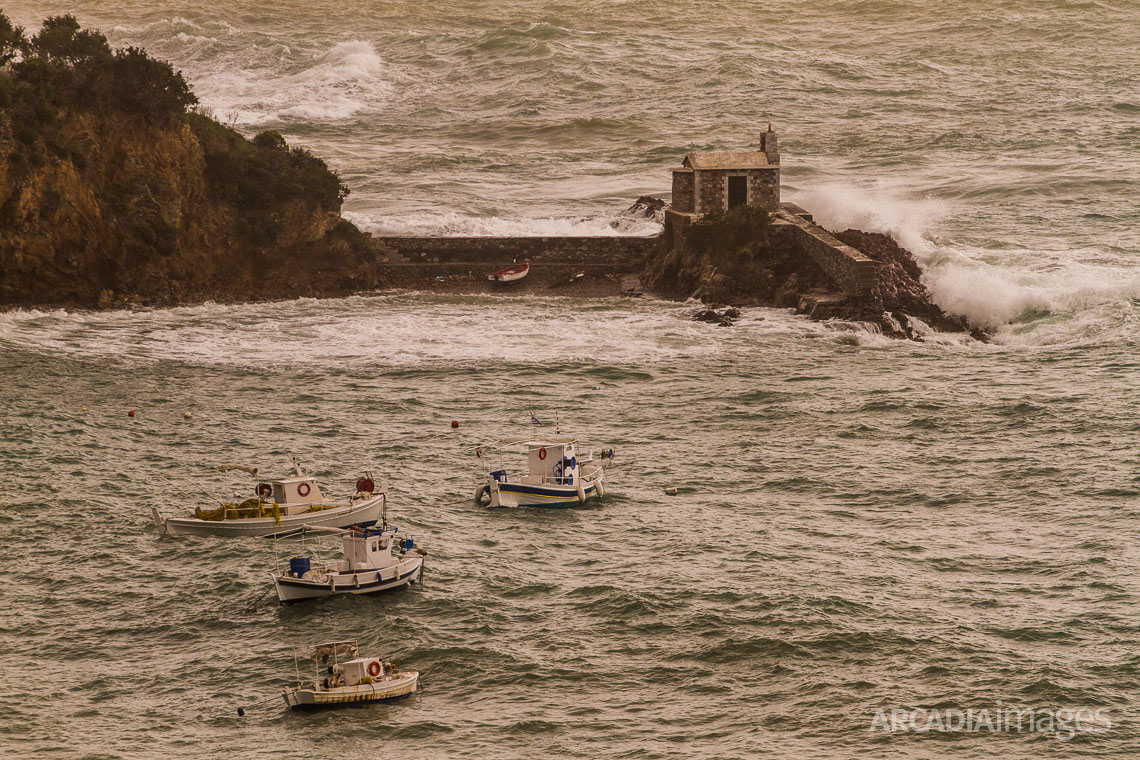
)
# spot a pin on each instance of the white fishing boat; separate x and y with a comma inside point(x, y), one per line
point(279, 505)
point(510, 274)
point(556, 476)
point(374, 560)
point(345, 679)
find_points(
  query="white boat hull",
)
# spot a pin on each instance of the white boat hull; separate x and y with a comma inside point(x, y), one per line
point(522, 495)
point(291, 589)
point(387, 690)
point(363, 512)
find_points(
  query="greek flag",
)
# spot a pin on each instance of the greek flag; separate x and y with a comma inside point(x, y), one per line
point(534, 420)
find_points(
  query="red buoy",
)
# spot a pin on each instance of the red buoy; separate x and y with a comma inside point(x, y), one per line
point(455, 423)
point(131, 413)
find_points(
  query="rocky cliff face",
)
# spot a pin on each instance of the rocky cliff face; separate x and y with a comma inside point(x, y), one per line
point(103, 209)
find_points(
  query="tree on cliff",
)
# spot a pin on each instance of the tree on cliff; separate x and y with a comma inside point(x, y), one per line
point(64, 65)
point(12, 40)
point(144, 85)
point(61, 40)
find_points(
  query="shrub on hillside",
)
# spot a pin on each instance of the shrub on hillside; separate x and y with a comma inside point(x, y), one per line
point(261, 176)
point(148, 87)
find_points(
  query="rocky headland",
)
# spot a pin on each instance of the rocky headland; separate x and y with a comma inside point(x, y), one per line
point(117, 190)
point(114, 191)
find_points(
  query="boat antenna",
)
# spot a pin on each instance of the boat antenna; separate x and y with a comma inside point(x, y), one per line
point(384, 504)
point(297, 466)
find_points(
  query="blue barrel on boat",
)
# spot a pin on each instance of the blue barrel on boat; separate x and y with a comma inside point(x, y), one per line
point(408, 544)
point(298, 566)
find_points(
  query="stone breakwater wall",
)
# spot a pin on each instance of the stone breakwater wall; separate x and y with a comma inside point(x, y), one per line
point(621, 253)
point(853, 272)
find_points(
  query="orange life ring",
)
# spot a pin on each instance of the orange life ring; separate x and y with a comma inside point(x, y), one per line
point(542, 452)
point(374, 668)
point(304, 489)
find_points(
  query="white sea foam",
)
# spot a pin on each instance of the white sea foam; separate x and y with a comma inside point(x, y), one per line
point(392, 331)
point(1026, 296)
point(407, 330)
point(254, 77)
point(344, 81)
point(449, 223)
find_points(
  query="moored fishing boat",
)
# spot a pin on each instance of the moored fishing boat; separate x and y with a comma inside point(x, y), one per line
point(555, 476)
point(345, 679)
point(279, 505)
point(510, 274)
point(374, 560)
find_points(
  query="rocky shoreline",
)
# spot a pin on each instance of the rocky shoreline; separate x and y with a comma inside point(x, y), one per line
point(736, 260)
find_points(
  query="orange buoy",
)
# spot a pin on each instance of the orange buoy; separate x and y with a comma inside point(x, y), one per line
point(131, 413)
point(455, 423)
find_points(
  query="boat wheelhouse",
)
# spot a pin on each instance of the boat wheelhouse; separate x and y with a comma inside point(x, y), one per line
point(556, 475)
point(373, 560)
point(345, 679)
point(279, 505)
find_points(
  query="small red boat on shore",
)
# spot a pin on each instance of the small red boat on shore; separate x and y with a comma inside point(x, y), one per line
point(511, 273)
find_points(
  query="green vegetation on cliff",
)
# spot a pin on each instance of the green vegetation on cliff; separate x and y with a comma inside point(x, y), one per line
point(112, 190)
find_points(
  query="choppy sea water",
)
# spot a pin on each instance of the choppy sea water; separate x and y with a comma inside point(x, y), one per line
point(862, 524)
point(859, 526)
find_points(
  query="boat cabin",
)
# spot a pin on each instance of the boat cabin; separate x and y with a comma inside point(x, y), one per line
point(299, 490)
point(367, 550)
point(552, 461)
point(353, 672)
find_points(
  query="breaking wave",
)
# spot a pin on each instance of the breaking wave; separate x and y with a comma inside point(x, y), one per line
point(249, 77)
point(1026, 296)
point(344, 81)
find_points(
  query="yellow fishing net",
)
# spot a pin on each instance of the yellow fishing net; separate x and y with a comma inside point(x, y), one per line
point(248, 508)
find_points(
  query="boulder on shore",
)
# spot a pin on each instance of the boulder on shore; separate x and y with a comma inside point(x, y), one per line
point(718, 315)
point(647, 207)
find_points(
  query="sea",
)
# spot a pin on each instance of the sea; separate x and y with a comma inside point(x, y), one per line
point(877, 548)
